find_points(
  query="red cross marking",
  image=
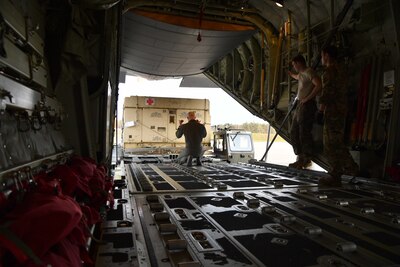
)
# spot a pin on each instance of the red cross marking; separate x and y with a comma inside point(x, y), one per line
point(149, 101)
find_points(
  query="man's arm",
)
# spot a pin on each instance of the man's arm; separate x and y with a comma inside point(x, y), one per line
point(179, 131)
point(294, 76)
point(204, 131)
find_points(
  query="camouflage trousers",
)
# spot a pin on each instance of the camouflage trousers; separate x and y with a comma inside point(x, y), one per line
point(339, 158)
point(300, 131)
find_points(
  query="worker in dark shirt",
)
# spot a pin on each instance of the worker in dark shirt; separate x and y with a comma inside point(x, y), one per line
point(194, 133)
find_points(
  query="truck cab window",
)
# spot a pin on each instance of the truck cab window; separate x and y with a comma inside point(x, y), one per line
point(240, 142)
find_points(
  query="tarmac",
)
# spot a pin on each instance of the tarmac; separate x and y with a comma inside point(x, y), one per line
point(281, 153)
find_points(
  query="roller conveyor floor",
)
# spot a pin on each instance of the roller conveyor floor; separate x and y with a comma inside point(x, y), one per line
point(248, 215)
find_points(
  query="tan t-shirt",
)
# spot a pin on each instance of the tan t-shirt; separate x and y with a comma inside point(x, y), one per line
point(305, 85)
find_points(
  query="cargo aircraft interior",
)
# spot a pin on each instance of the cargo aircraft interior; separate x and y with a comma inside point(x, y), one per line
point(69, 196)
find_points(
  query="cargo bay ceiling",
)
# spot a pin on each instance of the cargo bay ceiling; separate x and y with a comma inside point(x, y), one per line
point(161, 49)
point(245, 46)
point(241, 45)
point(162, 34)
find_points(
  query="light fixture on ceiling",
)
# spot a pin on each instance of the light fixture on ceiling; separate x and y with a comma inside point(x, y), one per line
point(244, 4)
point(279, 3)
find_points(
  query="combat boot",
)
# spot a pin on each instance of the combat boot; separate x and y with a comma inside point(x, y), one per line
point(302, 162)
point(352, 170)
point(297, 164)
point(331, 181)
point(306, 163)
point(189, 161)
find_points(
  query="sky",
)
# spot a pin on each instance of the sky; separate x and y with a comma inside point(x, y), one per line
point(223, 108)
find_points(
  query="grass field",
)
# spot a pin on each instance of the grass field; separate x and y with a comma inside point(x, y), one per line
point(262, 137)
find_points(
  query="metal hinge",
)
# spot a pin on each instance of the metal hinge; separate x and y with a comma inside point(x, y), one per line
point(3, 95)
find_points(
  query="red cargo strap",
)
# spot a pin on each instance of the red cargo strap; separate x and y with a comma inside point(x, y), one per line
point(16, 246)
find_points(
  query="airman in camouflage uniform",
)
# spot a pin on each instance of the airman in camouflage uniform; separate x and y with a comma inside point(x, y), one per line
point(333, 102)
